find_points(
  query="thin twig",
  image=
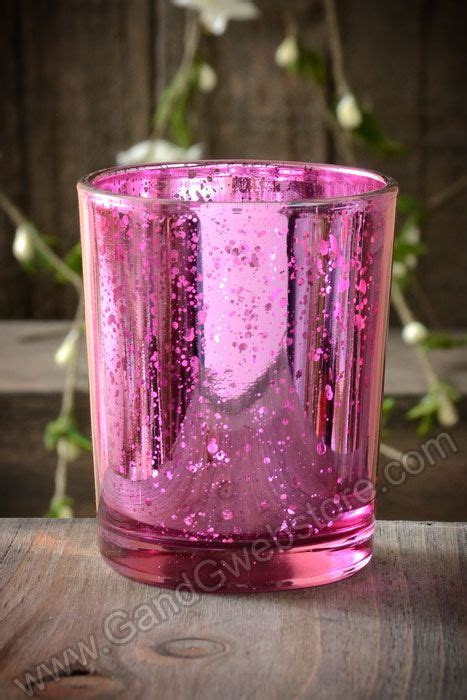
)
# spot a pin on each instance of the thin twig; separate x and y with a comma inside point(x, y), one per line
point(335, 44)
point(71, 376)
point(406, 316)
point(19, 219)
point(342, 140)
point(445, 195)
point(180, 81)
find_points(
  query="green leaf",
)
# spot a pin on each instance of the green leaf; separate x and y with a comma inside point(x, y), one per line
point(450, 391)
point(309, 65)
point(65, 426)
point(425, 425)
point(56, 429)
point(426, 411)
point(443, 340)
point(372, 135)
point(409, 205)
point(403, 248)
point(177, 119)
point(74, 261)
point(388, 406)
point(59, 507)
point(79, 440)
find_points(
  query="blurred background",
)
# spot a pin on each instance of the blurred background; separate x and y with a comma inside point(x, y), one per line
point(380, 85)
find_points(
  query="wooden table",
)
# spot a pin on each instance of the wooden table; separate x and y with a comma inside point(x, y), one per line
point(393, 630)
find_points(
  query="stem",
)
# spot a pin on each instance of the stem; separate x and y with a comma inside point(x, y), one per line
point(71, 376)
point(19, 219)
point(180, 81)
point(393, 453)
point(68, 400)
point(406, 316)
point(335, 44)
point(60, 479)
point(342, 140)
point(444, 196)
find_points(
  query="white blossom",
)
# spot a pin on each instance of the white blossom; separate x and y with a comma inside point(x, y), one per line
point(447, 414)
point(207, 78)
point(287, 52)
point(158, 151)
point(348, 112)
point(23, 246)
point(67, 450)
point(411, 261)
point(412, 234)
point(67, 349)
point(215, 14)
point(414, 333)
point(399, 270)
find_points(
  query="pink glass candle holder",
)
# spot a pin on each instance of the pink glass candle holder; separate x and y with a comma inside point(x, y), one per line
point(236, 318)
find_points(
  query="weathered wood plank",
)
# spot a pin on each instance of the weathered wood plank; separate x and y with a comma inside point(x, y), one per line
point(27, 351)
point(14, 282)
point(85, 71)
point(27, 469)
point(392, 631)
point(80, 79)
point(30, 384)
point(257, 112)
point(444, 150)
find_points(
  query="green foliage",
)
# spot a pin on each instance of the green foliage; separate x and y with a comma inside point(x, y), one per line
point(387, 408)
point(426, 410)
point(173, 109)
point(309, 65)
point(403, 248)
point(60, 508)
point(409, 205)
point(389, 404)
point(73, 259)
point(444, 341)
point(65, 426)
point(370, 132)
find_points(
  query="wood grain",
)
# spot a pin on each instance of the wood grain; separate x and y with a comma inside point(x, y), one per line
point(79, 83)
point(30, 384)
point(392, 631)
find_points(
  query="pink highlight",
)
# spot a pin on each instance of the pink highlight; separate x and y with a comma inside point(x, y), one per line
point(227, 306)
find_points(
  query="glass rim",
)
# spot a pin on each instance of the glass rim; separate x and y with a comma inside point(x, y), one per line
point(388, 184)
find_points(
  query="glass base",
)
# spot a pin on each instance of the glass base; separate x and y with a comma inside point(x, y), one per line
point(262, 564)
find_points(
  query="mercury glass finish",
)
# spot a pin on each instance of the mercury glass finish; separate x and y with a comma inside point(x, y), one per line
point(236, 318)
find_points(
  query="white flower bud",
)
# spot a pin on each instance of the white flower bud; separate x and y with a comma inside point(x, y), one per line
point(447, 413)
point(67, 349)
point(287, 52)
point(411, 261)
point(399, 270)
point(207, 78)
point(348, 112)
point(67, 450)
point(412, 234)
point(414, 333)
point(23, 246)
point(158, 151)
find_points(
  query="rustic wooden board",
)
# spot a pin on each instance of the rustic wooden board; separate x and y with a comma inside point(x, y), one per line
point(27, 351)
point(392, 631)
point(30, 384)
point(79, 83)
